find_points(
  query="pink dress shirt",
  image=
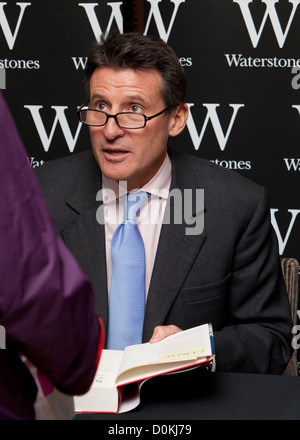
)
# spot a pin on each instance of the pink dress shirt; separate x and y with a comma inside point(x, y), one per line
point(150, 218)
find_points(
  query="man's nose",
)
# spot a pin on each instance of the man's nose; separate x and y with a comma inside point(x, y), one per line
point(112, 129)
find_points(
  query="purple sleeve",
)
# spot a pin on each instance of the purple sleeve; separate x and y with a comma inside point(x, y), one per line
point(46, 302)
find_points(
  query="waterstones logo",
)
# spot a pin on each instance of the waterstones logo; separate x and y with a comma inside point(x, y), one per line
point(80, 62)
point(163, 26)
point(60, 120)
point(116, 18)
point(271, 15)
point(292, 164)
point(33, 162)
point(283, 238)
point(274, 15)
point(19, 64)
point(233, 164)
point(239, 60)
point(222, 135)
point(10, 34)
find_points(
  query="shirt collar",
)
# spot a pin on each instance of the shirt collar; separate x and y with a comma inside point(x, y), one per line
point(158, 186)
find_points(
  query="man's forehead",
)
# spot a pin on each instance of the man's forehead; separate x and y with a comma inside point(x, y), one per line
point(134, 83)
point(126, 74)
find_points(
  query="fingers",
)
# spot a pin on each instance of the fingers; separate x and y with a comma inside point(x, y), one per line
point(162, 331)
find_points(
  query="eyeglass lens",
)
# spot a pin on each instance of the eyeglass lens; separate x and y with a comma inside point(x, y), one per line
point(130, 120)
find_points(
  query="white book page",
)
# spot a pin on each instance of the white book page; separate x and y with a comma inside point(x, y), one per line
point(103, 395)
point(108, 368)
point(186, 345)
point(183, 346)
point(135, 356)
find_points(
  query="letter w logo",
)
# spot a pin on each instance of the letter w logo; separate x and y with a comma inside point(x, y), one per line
point(11, 37)
point(270, 12)
point(282, 241)
point(92, 17)
point(155, 12)
point(59, 118)
point(213, 117)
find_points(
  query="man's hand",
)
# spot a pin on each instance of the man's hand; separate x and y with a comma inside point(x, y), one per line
point(162, 331)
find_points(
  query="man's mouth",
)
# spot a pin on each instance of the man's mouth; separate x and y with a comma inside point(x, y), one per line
point(115, 152)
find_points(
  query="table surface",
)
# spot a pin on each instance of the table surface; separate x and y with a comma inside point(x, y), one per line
point(198, 395)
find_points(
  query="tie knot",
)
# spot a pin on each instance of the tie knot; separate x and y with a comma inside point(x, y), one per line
point(133, 203)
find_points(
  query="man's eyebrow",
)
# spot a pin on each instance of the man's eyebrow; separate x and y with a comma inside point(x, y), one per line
point(97, 96)
point(129, 99)
point(137, 98)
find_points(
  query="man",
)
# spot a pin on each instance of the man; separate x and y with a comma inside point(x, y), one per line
point(46, 303)
point(229, 273)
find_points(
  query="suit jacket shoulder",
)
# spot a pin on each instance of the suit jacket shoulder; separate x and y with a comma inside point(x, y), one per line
point(63, 172)
point(219, 184)
point(70, 181)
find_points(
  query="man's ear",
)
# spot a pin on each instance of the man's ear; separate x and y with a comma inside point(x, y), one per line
point(178, 120)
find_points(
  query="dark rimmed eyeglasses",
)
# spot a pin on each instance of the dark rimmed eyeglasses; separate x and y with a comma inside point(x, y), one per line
point(127, 120)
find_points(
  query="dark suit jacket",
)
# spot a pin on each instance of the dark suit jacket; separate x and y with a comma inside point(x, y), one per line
point(228, 275)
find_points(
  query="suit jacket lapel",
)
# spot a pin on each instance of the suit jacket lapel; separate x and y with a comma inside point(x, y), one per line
point(175, 255)
point(85, 236)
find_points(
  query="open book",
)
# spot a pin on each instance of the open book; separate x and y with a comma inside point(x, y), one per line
point(120, 374)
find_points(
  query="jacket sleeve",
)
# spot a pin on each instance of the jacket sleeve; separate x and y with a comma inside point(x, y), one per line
point(258, 337)
point(46, 302)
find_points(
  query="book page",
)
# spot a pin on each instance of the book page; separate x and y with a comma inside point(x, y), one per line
point(187, 345)
point(134, 356)
point(108, 368)
point(151, 370)
point(103, 395)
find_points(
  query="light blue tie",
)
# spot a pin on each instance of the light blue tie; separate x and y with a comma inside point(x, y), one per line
point(127, 292)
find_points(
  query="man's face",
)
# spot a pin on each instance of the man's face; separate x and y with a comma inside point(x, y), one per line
point(126, 154)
